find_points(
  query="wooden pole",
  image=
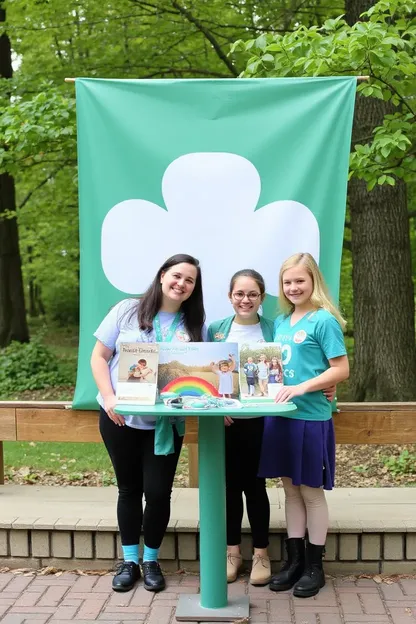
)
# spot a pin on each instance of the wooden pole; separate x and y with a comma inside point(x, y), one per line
point(358, 78)
point(193, 465)
point(1, 464)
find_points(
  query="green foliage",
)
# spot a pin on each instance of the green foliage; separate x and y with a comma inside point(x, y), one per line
point(403, 464)
point(61, 301)
point(62, 341)
point(125, 39)
point(28, 366)
point(381, 46)
point(48, 226)
point(38, 130)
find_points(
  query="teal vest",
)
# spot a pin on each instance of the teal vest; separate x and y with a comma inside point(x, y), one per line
point(219, 330)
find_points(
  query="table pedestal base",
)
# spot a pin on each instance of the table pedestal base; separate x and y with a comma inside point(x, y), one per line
point(189, 610)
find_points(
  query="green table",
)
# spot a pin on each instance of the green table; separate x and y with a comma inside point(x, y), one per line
point(211, 604)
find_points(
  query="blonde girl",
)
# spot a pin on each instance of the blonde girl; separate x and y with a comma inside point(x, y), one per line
point(300, 447)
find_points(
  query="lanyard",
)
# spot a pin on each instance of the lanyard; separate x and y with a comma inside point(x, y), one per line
point(171, 330)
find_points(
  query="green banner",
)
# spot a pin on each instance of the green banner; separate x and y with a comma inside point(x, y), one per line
point(239, 173)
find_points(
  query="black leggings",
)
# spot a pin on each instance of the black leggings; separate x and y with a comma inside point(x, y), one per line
point(139, 471)
point(243, 440)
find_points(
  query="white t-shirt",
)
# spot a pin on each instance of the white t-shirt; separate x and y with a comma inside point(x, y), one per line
point(245, 333)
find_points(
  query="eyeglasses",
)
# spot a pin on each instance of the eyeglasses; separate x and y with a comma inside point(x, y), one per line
point(239, 296)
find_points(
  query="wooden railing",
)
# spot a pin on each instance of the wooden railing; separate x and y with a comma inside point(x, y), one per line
point(355, 423)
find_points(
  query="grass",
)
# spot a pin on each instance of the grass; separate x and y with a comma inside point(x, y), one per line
point(50, 456)
point(81, 462)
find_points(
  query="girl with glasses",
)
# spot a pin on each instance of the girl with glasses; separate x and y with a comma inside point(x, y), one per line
point(243, 437)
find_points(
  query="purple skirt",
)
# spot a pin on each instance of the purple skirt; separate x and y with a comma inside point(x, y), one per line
point(303, 450)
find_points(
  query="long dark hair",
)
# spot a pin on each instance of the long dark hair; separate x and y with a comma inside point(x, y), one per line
point(192, 309)
point(249, 273)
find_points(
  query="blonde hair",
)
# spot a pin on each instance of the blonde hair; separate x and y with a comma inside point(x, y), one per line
point(320, 297)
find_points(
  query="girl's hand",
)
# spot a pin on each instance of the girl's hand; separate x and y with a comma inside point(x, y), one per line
point(330, 393)
point(109, 404)
point(228, 421)
point(286, 393)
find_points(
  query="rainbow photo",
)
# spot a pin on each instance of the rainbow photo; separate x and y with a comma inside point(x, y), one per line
point(199, 368)
point(191, 386)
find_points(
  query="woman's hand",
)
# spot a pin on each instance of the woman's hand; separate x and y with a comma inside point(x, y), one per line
point(330, 393)
point(228, 421)
point(109, 404)
point(286, 393)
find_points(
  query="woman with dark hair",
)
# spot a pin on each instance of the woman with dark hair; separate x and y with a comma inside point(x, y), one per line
point(171, 310)
point(243, 437)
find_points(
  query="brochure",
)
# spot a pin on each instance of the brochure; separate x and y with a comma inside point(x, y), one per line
point(137, 373)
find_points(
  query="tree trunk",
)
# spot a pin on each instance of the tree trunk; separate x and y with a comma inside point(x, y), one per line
point(36, 306)
point(13, 324)
point(33, 308)
point(38, 295)
point(384, 317)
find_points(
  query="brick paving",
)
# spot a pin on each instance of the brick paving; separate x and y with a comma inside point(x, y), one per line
point(83, 599)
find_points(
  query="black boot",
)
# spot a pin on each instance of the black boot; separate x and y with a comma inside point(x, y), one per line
point(292, 569)
point(313, 577)
point(127, 573)
point(152, 576)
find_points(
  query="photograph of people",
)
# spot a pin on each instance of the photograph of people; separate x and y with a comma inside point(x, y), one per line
point(141, 372)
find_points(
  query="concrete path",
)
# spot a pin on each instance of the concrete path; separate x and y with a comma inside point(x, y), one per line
point(374, 508)
point(83, 599)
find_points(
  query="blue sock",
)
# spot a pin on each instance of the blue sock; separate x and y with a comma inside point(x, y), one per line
point(131, 553)
point(150, 554)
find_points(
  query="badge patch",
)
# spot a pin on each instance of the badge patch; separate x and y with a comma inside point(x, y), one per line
point(182, 336)
point(300, 336)
point(219, 336)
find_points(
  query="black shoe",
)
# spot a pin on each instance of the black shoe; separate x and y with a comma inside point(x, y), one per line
point(127, 573)
point(292, 569)
point(313, 577)
point(152, 576)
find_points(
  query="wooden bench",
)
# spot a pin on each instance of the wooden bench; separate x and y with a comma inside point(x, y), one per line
point(356, 423)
